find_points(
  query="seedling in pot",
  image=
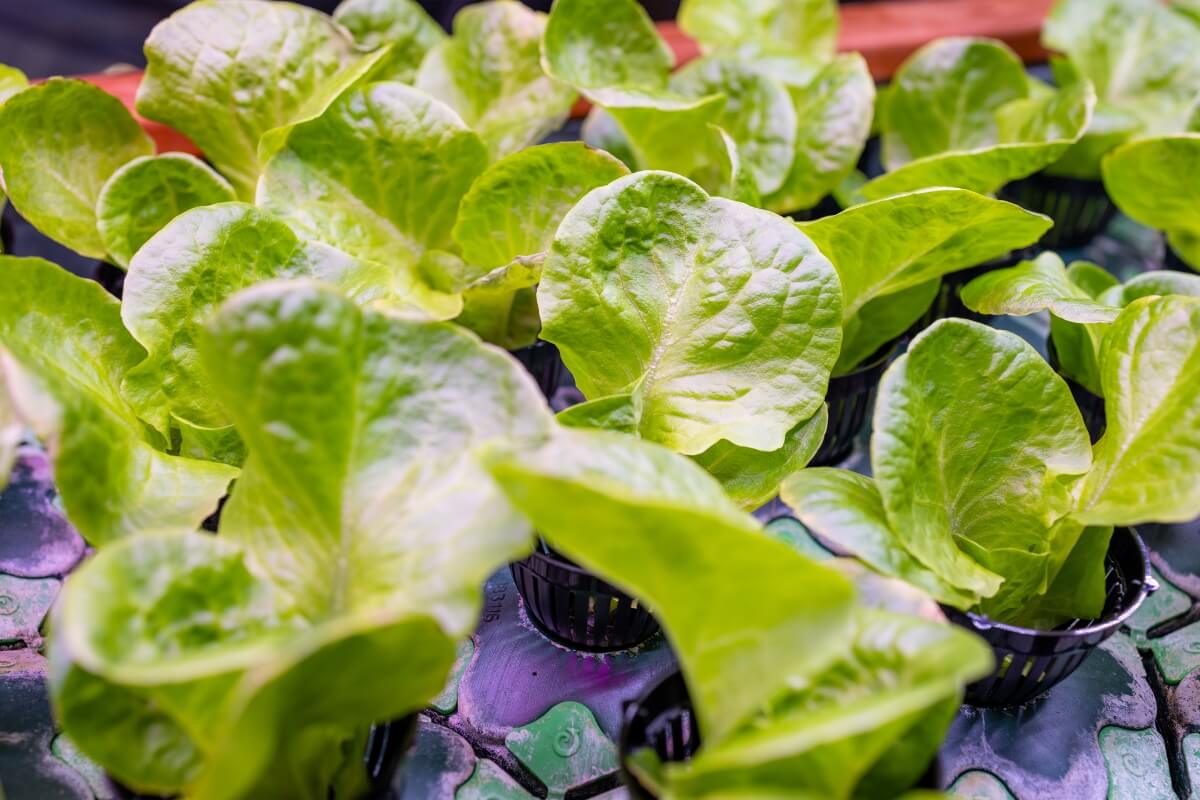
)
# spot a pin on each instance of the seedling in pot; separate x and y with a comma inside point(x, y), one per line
point(697, 322)
point(1083, 301)
point(891, 256)
point(350, 556)
point(961, 112)
point(769, 116)
point(797, 684)
point(987, 493)
point(1152, 180)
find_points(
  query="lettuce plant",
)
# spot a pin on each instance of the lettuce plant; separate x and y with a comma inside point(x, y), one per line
point(350, 556)
point(697, 322)
point(1149, 180)
point(65, 355)
point(110, 193)
point(891, 254)
point(961, 112)
point(789, 145)
point(1083, 301)
point(986, 491)
point(1141, 56)
point(800, 689)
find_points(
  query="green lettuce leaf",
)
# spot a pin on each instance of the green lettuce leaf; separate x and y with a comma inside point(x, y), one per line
point(1139, 55)
point(12, 80)
point(490, 72)
point(62, 141)
point(506, 224)
point(833, 119)
point(866, 727)
point(1148, 180)
point(181, 277)
point(360, 582)
point(721, 321)
point(758, 114)
point(147, 193)
point(945, 98)
point(402, 25)
point(380, 176)
point(847, 509)
point(1110, 127)
point(601, 131)
point(1146, 284)
point(960, 113)
point(885, 248)
point(69, 354)
point(974, 440)
point(674, 537)
point(1146, 461)
point(1033, 286)
point(213, 72)
point(597, 45)
point(805, 29)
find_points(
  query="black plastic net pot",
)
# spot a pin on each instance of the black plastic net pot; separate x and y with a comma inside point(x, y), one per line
point(662, 720)
point(1091, 406)
point(573, 607)
point(1031, 662)
point(543, 362)
point(1081, 209)
point(850, 398)
point(386, 744)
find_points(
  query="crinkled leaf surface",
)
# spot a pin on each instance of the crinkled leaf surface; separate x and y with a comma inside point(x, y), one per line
point(888, 246)
point(801, 27)
point(402, 25)
point(593, 45)
point(179, 279)
point(945, 98)
point(974, 437)
point(722, 321)
point(1037, 136)
point(66, 337)
point(144, 195)
point(225, 72)
point(62, 141)
point(506, 224)
point(833, 121)
point(1151, 181)
point(380, 176)
point(758, 114)
point(490, 72)
point(672, 536)
point(1140, 55)
point(360, 427)
point(1033, 286)
point(1146, 463)
point(846, 508)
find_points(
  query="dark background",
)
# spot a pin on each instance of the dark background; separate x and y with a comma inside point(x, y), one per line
point(63, 37)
